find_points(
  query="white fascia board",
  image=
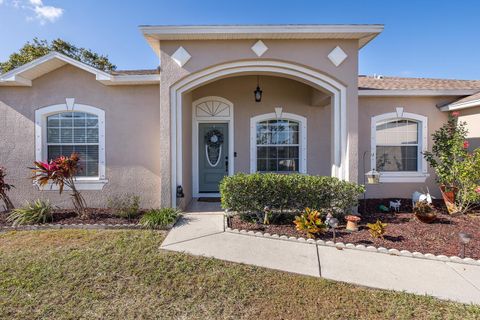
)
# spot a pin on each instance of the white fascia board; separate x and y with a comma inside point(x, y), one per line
point(407, 93)
point(131, 79)
point(459, 106)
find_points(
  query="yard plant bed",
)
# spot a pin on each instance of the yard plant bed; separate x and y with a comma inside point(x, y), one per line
point(96, 216)
point(404, 231)
point(106, 274)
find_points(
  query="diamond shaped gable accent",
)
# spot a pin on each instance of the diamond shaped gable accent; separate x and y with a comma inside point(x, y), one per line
point(181, 56)
point(259, 48)
point(337, 56)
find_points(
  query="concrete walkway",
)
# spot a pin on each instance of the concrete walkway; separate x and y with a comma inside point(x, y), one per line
point(202, 233)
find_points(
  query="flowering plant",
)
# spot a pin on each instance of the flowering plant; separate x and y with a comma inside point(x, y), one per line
point(457, 169)
point(4, 187)
point(61, 172)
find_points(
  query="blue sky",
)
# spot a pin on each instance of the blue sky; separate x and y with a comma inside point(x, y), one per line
point(422, 38)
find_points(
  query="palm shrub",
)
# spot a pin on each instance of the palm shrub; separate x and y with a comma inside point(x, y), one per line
point(125, 206)
point(4, 188)
point(457, 169)
point(39, 211)
point(251, 193)
point(159, 218)
point(62, 172)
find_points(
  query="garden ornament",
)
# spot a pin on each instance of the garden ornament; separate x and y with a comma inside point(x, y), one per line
point(395, 205)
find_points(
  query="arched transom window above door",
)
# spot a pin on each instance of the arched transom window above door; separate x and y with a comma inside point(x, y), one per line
point(278, 144)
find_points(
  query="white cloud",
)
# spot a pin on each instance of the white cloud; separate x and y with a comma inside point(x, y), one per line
point(42, 13)
point(47, 13)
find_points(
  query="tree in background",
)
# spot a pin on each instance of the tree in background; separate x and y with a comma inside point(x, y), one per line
point(38, 48)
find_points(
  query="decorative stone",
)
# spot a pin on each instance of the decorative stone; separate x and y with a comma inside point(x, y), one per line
point(371, 248)
point(469, 261)
point(274, 236)
point(259, 48)
point(350, 246)
point(251, 233)
point(337, 56)
point(330, 243)
point(320, 242)
point(340, 245)
point(266, 235)
point(229, 229)
point(259, 234)
point(284, 237)
point(236, 230)
point(181, 56)
point(418, 255)
point(243, 231)
point(442, 258)
point(382, 250)
point(394, 252)
point(456, 259)
point(430, 256)
point(406, 253)
point(360, 247)
point(301, 240)
point(310, 241)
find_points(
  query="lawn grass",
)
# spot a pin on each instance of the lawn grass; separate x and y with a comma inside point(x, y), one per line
point(70, 274)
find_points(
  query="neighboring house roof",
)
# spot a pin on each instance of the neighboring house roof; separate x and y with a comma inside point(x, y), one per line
point(397, 86)
point(135, 72)
point(463, 103)
point(364, 33)
point(23, 75)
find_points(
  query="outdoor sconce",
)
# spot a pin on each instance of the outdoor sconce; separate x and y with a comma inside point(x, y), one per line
point(258, 92)
point(180, 193)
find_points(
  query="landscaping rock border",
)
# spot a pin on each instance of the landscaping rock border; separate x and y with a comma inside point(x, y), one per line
point(360, 247)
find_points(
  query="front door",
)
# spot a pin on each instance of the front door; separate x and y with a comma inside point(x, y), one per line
point(212, 155)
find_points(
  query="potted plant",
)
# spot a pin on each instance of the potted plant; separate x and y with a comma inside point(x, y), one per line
point(424, 212)
point(352, 222)
point(457, 170)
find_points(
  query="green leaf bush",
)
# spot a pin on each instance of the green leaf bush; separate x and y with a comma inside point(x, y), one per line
point(159, 218)
point(39, 211)
point(249, 193)
point(125, 206)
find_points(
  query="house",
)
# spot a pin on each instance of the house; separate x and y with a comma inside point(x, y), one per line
point(227, 99)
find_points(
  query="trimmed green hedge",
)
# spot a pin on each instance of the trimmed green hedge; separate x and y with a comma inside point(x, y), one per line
point(252, 192)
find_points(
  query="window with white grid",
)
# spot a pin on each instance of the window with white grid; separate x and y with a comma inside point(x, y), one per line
point(69, 132)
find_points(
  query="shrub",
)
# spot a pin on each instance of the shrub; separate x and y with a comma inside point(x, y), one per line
point(39, 211)
point(159, 218)
point(311, 222)
point(4, 188)
point(294, 192)
point(61, 172)
point(457, 170)
point(377, 229)
point(125, 206)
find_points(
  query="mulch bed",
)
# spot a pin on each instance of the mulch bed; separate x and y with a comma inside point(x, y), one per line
point(97, 216)
point(404, 231)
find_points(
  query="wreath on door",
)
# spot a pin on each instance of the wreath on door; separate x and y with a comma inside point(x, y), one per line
point(214, 138)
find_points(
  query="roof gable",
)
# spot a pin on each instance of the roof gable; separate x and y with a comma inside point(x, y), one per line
point(23, 75)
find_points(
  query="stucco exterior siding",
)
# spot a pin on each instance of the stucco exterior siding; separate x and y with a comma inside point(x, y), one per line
point(292, 96)
point(373, 106)
point(132, 134)
point(472, 117)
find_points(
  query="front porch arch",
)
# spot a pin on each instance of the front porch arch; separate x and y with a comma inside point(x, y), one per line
point(311, 77)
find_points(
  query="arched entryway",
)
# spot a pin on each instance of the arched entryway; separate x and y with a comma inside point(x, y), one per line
point(339, 154)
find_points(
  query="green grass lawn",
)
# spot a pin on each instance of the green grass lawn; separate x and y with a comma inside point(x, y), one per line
point(123, 275)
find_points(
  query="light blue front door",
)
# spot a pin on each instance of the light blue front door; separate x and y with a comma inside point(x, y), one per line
point(212, 155)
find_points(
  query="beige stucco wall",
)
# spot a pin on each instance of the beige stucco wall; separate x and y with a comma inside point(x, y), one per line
point(132, 134)
point(204, 54)
point(292, 96)
point(472, 117)
point(373, 106)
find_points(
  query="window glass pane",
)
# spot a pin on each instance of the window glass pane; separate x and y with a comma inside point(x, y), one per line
point(71, 132)
point(397, 158)
point(279, 139)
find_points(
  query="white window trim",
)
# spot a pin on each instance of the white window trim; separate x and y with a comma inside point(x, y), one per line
point(82, 183)
point(273, 116)
point(421, 174)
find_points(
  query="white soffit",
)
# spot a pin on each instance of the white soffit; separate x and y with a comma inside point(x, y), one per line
point(181, 56)
point(337, 56)
point(363, 33)
point(259, 48)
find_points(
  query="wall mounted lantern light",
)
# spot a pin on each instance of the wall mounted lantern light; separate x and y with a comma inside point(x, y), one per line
point(258, 92)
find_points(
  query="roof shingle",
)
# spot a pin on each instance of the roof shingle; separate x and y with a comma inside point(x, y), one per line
point(398, 83)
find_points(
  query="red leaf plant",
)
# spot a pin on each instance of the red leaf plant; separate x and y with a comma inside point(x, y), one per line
point(61, 172)
point(4, 188)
